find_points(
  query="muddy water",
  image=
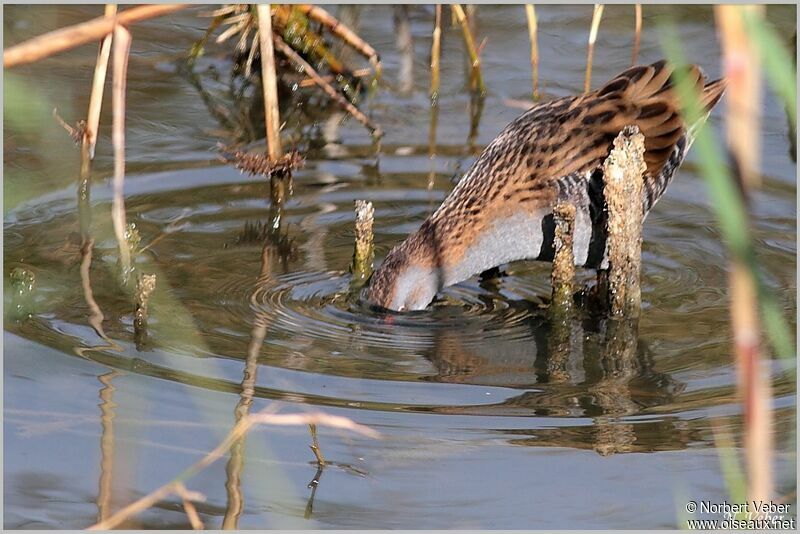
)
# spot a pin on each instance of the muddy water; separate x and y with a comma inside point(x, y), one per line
point(490, 416)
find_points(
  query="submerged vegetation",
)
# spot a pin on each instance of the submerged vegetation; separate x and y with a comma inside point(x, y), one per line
point(286, 60)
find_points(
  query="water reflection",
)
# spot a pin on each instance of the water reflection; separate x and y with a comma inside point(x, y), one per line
point(105, 485)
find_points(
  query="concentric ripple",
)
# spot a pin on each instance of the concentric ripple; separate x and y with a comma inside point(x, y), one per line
point(322, 306)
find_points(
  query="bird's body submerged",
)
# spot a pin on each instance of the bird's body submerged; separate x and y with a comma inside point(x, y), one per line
point(501, 210)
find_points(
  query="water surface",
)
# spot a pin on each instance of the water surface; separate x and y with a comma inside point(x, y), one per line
point(491, 416)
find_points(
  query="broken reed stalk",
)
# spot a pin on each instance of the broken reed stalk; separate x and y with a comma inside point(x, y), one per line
point(476, 78)
point(302, 64)
point(436, 51)
point(64, 39)
point(265, 417)
point(145, 286)
point(269, 82)
point(343, 32)
point(742, 67)
point(597, 15)
point(77, 132)
point(364, 252)
point(637, 33)
point(122, 47)
point(563, 273)
point(98, 85)
point(315, 448)
point(530, 12)
point(623, 172)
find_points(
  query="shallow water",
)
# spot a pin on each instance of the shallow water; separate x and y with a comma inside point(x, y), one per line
point(490, 416)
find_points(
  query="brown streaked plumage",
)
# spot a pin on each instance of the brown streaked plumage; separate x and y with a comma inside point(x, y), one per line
point(501, 209)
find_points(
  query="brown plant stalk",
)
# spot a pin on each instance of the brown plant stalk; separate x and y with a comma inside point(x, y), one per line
point(269, 83)
point(64, 39)
point(98, 84)
point(637, 33)
point(530, 12)
point(476, 78)
point(343, 32)
point(623, 172)
point(436, 51)
point(122, 47)
point(597, 15)
point(301, 63)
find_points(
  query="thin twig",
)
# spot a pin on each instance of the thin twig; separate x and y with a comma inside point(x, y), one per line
point(476, 78)
point(122, 47)
point(266, 416)
point(98, 84)
point(77, 132)
point(67, 38)
point(289, 52)
point(436, 51)
point(358, 73)
point(269, 83)
point(637, 35)
point(597, 14)
point(530, 12)
point(343, 32)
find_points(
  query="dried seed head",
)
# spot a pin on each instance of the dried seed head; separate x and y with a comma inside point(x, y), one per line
point(254, 163)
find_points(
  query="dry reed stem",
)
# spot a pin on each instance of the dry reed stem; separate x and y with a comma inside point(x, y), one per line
point(364, 252)
point(269, 83)
point(623, 172)
point(64, 39)
point(563, 273)
point(476, 78)
point(98, 84)
point(358, 73)
point(597, 15)
point(436, 51)
point(301, 63)
point(343, 32)
point(530, 12)
point(266, 416)
point(187, 497)
point(742, 70)
point(637, 33)
point(122, 47)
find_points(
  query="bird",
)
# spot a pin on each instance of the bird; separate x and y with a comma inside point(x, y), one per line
point(501, 209)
